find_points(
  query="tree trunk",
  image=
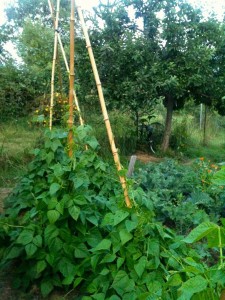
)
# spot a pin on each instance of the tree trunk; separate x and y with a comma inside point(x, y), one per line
point(168, 123)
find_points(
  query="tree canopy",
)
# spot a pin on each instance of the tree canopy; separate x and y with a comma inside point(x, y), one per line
point(146, 51)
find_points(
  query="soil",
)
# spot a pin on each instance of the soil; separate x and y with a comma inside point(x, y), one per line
point(146, 158)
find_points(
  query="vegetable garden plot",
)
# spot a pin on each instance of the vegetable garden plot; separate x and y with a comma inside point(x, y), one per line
point(67, 227)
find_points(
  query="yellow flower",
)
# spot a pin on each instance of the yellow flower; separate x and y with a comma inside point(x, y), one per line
point(37, 111)
point(201, 158)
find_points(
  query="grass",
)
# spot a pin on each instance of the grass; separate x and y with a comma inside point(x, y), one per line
point(188, 132)
point(17, 138)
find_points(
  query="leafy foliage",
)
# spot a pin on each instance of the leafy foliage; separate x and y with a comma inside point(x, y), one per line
point(66, 226)
point(182, 195)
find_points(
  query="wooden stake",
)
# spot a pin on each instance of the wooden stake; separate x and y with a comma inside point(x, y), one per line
point(53, 64)
point(66, 62)
point(103, 107)
point(71, 91)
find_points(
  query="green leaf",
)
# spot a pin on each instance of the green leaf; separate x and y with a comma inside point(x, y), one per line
point(79, 200)
point(77, 281)
point(81, 251)
point(120, 216)
point(108, 220)
point(41, 265)
point(131, 225)
point(51, 232)
point(52, 203)
point(55, 145)
point(214, 240)
point(93, 143)
point(30, 249)
point(175, 280)
point(46, 288)
point(103, 245)
point(58, 170)
point(68, 280)
point(200, 231)
point(155, 289)
point(54, 187)
point(14, 252)
point(25, 237)
point(153, 247)
point(119, 262)
point(49, 157)
point(192, 286)
point(93, 220)
point(53, 216)
point(104, 272)
point(59, 207)
point(94, 261)
point(66, 267)
point(122, 283)
point(140, 266)
point(125, 236)
point(55, 244)
point(108, 258)
point(51, 258)
point(37, 240)
point(114, 297)
point(74, 211)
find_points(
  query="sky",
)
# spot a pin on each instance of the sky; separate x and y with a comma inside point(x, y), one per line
point(217, 6)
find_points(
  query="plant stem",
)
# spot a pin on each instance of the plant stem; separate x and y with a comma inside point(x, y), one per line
point(220, 247)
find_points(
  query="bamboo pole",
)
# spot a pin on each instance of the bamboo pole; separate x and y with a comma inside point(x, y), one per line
point(53, 64)
point(71, 85)
point(103, 107)
point(66, 62)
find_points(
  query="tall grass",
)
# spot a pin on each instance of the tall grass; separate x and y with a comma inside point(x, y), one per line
point(17, 138)
point(187, 130)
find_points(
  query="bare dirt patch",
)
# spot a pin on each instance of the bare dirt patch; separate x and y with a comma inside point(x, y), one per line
point(146, 158)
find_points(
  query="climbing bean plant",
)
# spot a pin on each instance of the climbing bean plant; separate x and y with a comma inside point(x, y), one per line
point(66, 226)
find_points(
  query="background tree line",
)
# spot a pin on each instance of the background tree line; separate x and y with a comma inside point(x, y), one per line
point(147, 51)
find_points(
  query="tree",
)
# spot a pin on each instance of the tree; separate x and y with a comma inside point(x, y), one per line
point(183, 46)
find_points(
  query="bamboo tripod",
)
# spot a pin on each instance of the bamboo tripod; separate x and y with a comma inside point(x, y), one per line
point(55, 24)
point(99, 88)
